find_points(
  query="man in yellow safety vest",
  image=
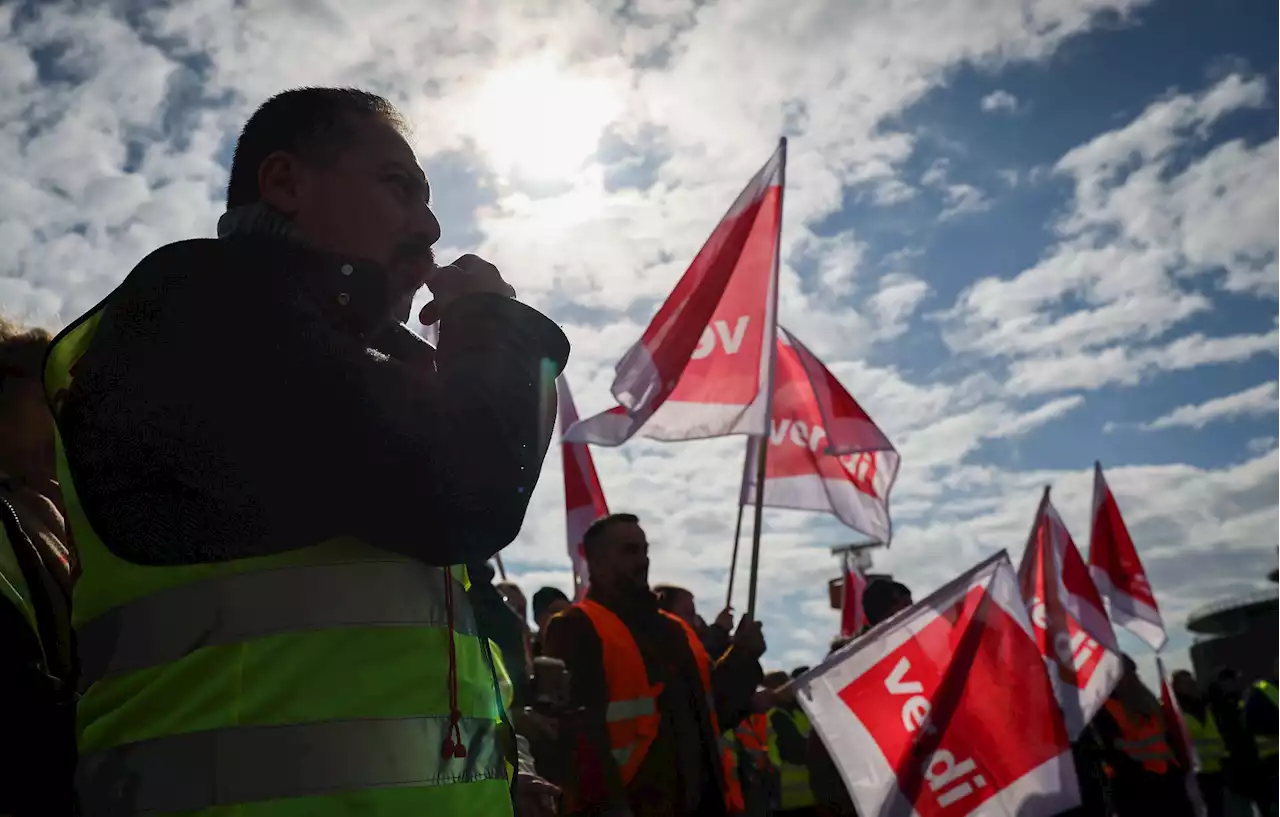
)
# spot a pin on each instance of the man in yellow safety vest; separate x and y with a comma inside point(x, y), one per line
point(273, 484)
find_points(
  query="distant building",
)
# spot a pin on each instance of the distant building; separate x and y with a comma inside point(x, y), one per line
point(1240, 633)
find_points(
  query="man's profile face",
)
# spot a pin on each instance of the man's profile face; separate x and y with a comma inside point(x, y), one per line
point(620, 560)
point(370, 201)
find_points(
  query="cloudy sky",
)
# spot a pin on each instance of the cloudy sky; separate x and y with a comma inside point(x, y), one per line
point(1025, 234)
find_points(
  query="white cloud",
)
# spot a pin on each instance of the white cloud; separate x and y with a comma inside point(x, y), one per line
point(897, 299)
point(120, 152)
point(999, 100)
point(1258, 401)
point(1141, 225)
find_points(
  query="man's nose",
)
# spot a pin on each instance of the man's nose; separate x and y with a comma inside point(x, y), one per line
point(425, 222)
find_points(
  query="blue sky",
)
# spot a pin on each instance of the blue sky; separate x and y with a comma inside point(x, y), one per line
point(1025, 235)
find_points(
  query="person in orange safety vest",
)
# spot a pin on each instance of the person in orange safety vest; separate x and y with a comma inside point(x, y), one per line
point(654, 702)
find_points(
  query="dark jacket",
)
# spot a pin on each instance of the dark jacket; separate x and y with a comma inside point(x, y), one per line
point(36, 685)
point(683, 765)
point(246, 396)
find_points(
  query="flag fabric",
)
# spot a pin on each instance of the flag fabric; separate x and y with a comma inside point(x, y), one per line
point(702, 367)
point(945, 709)
point(583, 498)
point(1117, 570)
point(1067, 616)
point(852, 615)
point(801, 471)
point(1183, 746)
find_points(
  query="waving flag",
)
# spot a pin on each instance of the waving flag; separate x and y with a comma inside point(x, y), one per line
point(701, 368)
point(1117, 570)
point(1068, 619)
point(800, 473)
point(852, 615)
point(945, 708)
point(583, 498)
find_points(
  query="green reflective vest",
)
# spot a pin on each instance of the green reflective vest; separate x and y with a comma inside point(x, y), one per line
point(1267, 744)
point(793, 779)
point(313, 682)
point(1211, 749)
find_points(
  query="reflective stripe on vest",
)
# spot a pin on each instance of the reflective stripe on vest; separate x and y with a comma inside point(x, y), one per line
point(165, 626)
point(318, 673)
point(1211, 749)
point(1142, 739)
point(172, 773)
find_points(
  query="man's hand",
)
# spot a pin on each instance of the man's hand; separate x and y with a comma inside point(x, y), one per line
point(725, 620)
point(535, 796)
point(469, 275)
point(749, 637)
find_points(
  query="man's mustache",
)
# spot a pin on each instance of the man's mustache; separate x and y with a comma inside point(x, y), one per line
point(413, 249)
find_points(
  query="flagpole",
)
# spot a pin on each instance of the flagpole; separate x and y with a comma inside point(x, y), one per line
point(768, 415)
point(502, 571)
point(733, 561)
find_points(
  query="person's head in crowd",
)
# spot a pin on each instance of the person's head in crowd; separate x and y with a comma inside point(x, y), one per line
point(336, 164)
point(838, 643)
point(514, 598)
point(1227, 682)
point(1184, 685)
point(617, 554)
point(883, 598)
point(778, 682)
point(798, 671)
point(26, 444)
point(679, 602)
point(547, 603)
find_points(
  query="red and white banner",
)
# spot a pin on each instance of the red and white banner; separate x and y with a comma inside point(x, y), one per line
point(702, 366)
point(583, 498)
point(945, 708)
point(799, 472)
point(852, 615)
point(1117, 570)
point(1183, 747)
point(1070, 625)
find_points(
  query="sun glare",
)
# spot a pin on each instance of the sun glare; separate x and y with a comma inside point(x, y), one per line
point(536, 121)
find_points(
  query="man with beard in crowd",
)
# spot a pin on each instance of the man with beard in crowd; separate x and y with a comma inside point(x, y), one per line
point(655, 704)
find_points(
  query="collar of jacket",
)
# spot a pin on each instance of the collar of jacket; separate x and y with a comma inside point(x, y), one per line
point(351, 292)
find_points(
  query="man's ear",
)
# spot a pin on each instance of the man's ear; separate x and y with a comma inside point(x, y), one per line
point(279, 182)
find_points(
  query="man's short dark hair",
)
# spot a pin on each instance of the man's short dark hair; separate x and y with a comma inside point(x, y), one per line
point(310, 122)
point(668, 594)
point(881, 597)
point(544, 598)
point(598, 528)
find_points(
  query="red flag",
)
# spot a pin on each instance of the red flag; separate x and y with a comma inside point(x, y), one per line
point(945, 708)
point(852, 616)
point(1183, 747)
point(799, 472)
point(702, 366)
point(1070, 624)
point(1117, 570)
point(583, 498)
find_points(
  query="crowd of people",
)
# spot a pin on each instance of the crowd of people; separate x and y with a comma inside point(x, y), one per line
point(248, 526)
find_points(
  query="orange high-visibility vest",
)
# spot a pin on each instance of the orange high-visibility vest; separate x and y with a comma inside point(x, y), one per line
point(1142, 739)
point(753, 735)
point(632, 715)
